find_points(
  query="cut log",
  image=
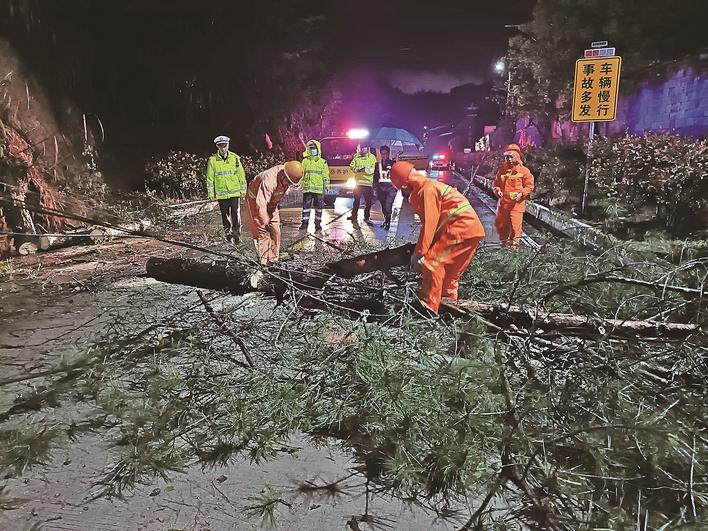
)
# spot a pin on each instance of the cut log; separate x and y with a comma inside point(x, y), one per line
point(218, 275)
point(26, 248)
point(101, 234)
point(236, 278)
point(47, 242)
point(368, 263)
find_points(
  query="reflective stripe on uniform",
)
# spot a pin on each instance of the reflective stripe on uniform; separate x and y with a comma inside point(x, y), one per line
point(450, 215)
point(458, 209)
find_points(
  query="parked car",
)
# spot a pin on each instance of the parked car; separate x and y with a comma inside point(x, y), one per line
point(338, 151)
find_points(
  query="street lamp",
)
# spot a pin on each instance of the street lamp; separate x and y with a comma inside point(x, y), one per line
point(499, 66)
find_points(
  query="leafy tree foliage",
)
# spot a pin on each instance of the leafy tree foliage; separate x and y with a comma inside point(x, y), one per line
point(181, 175)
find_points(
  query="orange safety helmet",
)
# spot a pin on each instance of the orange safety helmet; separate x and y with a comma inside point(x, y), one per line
point(513, 147)
point(400, 172)
point(294, 171)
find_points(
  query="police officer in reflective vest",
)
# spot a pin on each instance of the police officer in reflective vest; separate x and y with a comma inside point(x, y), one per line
point(363, 165)
point(226, 181)
point(314, 184)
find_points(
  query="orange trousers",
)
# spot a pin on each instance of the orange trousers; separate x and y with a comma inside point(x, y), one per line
point(442, 269)
point(267, 243)
point(508, 223)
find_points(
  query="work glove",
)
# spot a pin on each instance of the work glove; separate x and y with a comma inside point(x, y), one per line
point(498, 192)
point(518, 197)
point(417, 262)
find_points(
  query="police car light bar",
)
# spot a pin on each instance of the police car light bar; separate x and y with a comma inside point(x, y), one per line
point(357, 134)
point(600, 52)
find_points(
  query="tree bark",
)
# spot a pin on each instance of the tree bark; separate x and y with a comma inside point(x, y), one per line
point(237, 278)
point(504, 316)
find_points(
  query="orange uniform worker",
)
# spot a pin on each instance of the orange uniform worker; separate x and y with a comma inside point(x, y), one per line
point(264, 194)
point(449, 235)
point(513, 184)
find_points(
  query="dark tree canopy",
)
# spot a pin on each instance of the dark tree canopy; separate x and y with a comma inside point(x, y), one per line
point(543, 54)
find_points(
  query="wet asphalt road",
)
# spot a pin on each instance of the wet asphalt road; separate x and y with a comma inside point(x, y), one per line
point(404, 227)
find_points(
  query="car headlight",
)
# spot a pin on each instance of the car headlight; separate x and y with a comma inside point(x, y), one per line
point(351, 183)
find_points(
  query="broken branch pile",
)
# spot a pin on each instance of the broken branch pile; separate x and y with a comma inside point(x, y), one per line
point(235, 276)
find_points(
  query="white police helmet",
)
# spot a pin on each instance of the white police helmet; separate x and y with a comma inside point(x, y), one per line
point(221, 139)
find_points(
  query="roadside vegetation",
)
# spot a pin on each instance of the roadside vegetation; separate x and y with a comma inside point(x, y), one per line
point(552, 430)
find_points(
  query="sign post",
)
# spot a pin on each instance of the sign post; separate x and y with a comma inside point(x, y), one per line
point(587, 167)
point(595, 94)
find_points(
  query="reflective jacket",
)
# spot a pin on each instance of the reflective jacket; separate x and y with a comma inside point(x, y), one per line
point(442, 211)
point(511, 180)
point(225, 178)
point(265, 192)
point(316, 177)
point(364, 167)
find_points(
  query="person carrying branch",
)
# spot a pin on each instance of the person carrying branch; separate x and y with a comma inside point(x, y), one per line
point(265, 192)
point(513, 184)
point(449, 235)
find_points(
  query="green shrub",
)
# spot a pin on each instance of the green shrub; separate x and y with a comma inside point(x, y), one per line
point(653, 181)
point(177, 175)
point(668, 171)
point(558, 171)
point(181, 175)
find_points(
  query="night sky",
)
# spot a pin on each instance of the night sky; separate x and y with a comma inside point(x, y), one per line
point(439, 45)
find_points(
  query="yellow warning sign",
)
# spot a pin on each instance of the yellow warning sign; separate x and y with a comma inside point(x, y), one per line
point(596, 89)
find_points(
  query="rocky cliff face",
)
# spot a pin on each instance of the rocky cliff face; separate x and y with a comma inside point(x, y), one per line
point(44, 152)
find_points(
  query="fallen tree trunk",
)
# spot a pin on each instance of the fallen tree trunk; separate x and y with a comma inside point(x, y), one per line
point(505, 316)
point(100, 234)
point(237, 278)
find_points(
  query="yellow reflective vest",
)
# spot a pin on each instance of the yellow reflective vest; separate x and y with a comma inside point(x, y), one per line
point(363, 167)
point(225, 178)
point(316, 177)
